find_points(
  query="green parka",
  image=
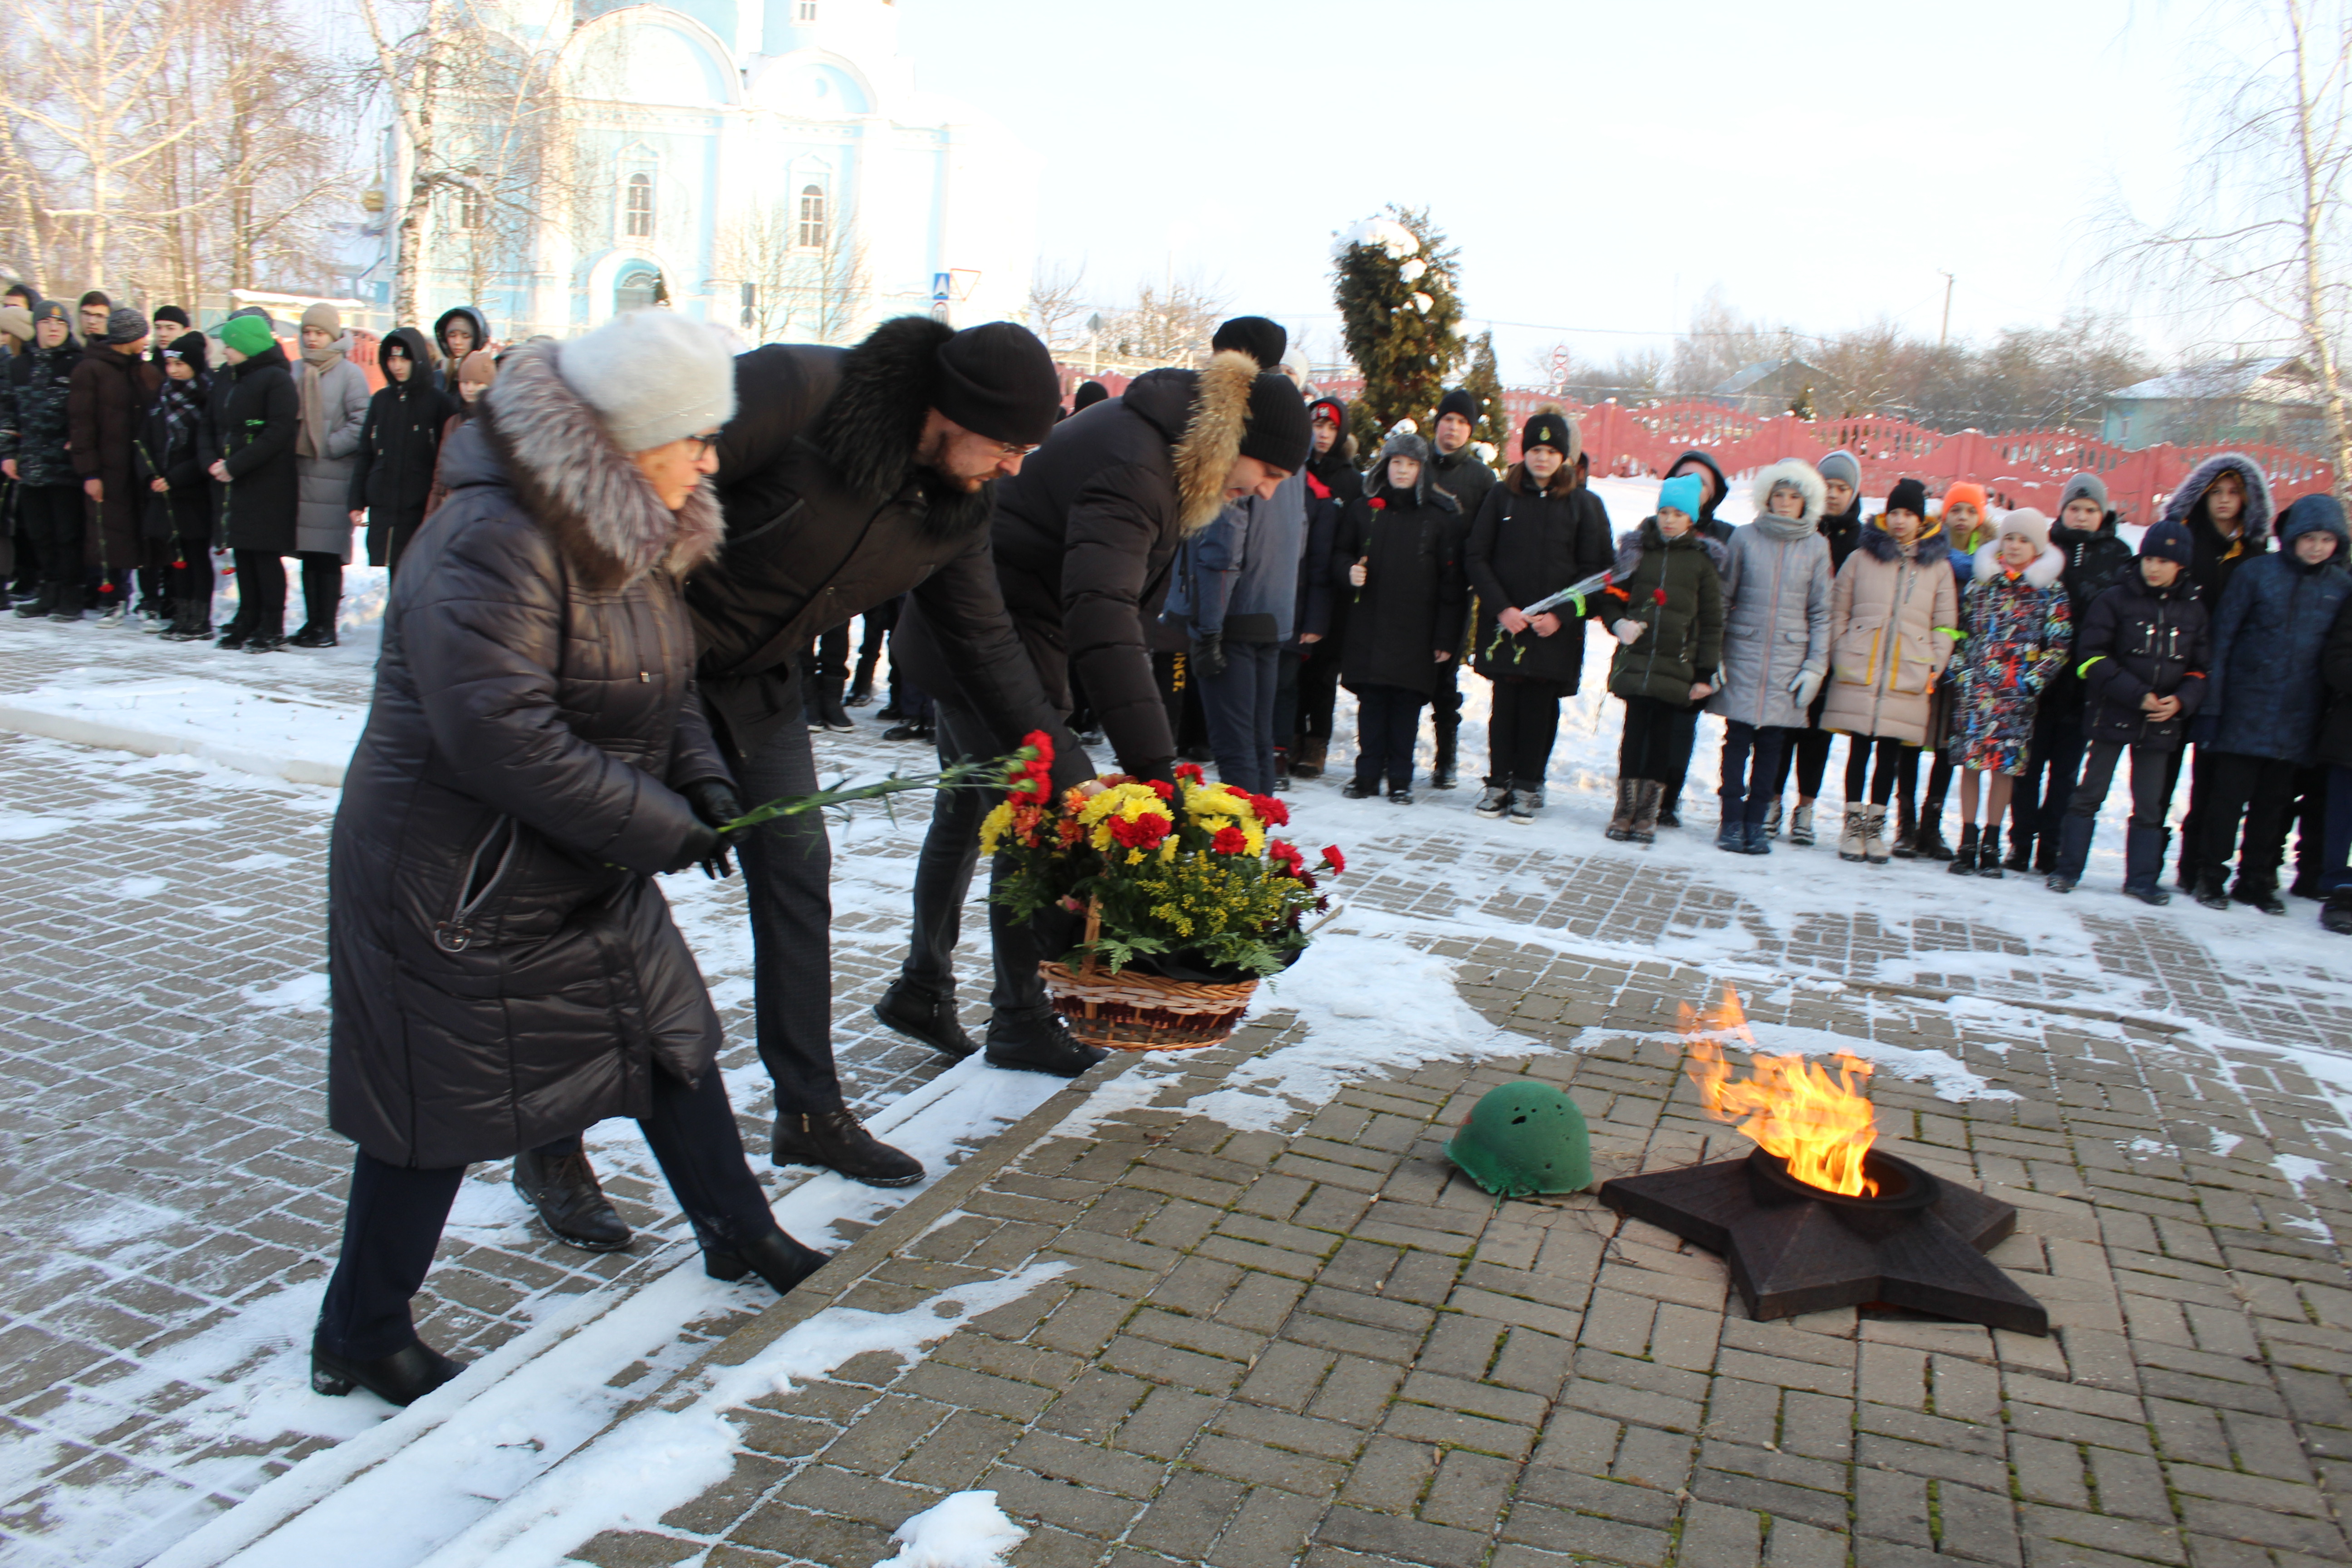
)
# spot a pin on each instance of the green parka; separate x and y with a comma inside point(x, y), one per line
point(1674, 588)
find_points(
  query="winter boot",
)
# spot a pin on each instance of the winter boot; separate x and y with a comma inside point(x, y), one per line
point(40, 604)
point(2336, 916)
point(775, 1258)
point(1648, 801)
point(1400, 794)
point(1307, 764)
point(2143, 859)
point(2262, 896)
point(1906, 830)
point(1964, 858)
point(1759, 841)
point(1358, 789)
point(2211, 890)
point(836, 1140)
point(1874, 835)
point(1731, 835)
point(562, 1189)
point(1989, 851)
point(1494, 800)
point(930, 1019)
point(1039, 1045)
point(1929, 843)
point(1670, 812)
point(2021, 850)
point(1442, 770)
point(404, 1377)
point(1800, 828)
point(861, 684)
point(1620, 826)
point(1772, 818)
point(830, 712)
point(67, 606)
point(1525, 803)
point(2071, 854)
point(1850, 841)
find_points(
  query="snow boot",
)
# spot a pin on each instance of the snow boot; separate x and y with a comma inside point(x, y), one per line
point(836, 1140)
point(1759, 841)
point(2262, 896)
point(1772, 818)
point(1906, 830)
point(1494, 800)
point(2211, 892)
point(1442, 770)
point(1929, 843)
point(1850, 841)
point(1964, 858)
point(2021, 850)
point(404, 1377)
point(2336, 915)
point(40, 604)
point(1523, 805)
point(2143, 859)
point(1800, 828)
point(1731, 835)
point(1874, 835)
point(1620, 826)
point(1989, 852)
point(1648, 799)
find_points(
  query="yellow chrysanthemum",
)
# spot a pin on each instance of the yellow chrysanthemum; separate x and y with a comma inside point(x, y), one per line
point(994, 826)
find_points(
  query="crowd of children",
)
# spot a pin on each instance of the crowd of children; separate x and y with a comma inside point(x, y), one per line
point(2022, 655)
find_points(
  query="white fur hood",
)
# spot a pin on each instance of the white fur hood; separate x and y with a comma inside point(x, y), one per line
point(2046, 569)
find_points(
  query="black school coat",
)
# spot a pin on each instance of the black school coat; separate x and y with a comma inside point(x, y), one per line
point(1414, 593)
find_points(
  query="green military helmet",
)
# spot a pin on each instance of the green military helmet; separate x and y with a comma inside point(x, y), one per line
point(1524, 1138)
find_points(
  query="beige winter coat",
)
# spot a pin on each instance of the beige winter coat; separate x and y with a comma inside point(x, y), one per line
point(1891, 620)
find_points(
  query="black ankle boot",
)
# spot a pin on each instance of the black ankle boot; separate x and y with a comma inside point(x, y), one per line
point(2020, 852)
point(1989, 852)
point(404, 1377)
point(1964, 858)
point(774, 1257)
point(930, 1019)
point(836, 1140)
point(562, 1189)
point(1039, 1045)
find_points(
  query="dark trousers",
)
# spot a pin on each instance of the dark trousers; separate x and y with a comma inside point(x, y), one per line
point(1287, 670)
point(322, 588)
point(57, 523)
point(2041, 795)
point(1746, 793)
point(1388, 722)
point(1807, 750)
point(1446, 708)
point(1657, 740)
point(156, 558)
point(824, 668)
point(392, 1221)
point(192, 579)
point(944, 873)
point(260, 594)
point(2192, 822)
point(2335, 863)
point(874, 631)
point(2151, 781)
point(1522, 724)
point(1890, 754)
point(2261, 788)
point(1318, 689)
point(1239, 707)
point(788, 896)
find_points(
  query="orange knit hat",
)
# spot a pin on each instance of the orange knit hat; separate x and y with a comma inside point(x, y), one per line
point(1968, 494)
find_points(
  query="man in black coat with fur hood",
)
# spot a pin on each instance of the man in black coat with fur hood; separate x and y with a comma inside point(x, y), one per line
point(1085, 539)
point(846, 479)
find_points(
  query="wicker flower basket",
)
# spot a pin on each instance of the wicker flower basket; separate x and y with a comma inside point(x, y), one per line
point(1131, 1011)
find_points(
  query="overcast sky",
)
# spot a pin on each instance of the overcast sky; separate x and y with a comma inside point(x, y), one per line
point(1599, 165)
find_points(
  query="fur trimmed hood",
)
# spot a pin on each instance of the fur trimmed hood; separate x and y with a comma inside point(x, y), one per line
point(1800, 473)
point(1204, 455)
point(1634, 541)
point(1931, 546)
point(581, 489)
point(2191, 496)
point(2046, 568)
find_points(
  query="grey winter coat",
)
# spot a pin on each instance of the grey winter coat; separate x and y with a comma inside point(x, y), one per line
point(1776, 606)
point(504, 970)
point(1238, 578)
point(323, 522)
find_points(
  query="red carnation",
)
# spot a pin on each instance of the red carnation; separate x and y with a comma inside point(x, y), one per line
point(1164, 789)
point(1377, 504)
point(1191, 773)
point(1146, 832)
point(1333, 859)
point(1270, 811)
point(1043, 742)
point(1287, 854)
point(1229, 841)
point(1659, 595)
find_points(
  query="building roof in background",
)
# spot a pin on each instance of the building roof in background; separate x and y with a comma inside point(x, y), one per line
point(2232, 378)
point(1749, 377)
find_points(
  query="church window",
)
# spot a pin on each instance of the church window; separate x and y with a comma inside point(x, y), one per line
point(808, 10)
point(811, 224)
point(472, 207)
point(638, 211)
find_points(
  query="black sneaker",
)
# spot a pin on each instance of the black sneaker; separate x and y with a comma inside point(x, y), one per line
point(836, 1140)
point(1400, 797)
point(930, 1019)
point(312, 637)
point(264, 645)
point(1039, 1045)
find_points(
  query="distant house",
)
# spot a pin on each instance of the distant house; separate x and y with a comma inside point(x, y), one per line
point(1770, 386)
point(2271, 399)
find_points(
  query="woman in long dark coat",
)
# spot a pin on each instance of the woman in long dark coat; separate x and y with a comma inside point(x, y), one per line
point(505, 971)
point(400, 446)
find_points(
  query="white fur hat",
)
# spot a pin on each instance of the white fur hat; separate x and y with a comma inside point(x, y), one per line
point(652, 376)
point(2027, 524)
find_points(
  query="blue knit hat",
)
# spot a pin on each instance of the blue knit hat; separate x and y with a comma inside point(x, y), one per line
point(2168, 541)
point(1684, 492)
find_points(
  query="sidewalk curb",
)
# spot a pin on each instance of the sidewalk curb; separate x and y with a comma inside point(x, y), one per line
point(149, 744)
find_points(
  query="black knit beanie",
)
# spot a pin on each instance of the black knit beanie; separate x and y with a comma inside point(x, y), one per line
point(1459, 401)
point(1279, 432)
point(1908, 495)
point(172, 314)
point(1089, 393)
point(999, 381)
point(1551, 428)
point(192, 347)
point(1262, 340)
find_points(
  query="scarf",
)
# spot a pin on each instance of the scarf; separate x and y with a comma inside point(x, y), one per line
point(311, 440)
point(179, 404)
point(1778, 527)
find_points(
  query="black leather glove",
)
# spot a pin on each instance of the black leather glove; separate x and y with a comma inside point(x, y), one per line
point(702, 845)
point(1209, 652)
point(714, 805)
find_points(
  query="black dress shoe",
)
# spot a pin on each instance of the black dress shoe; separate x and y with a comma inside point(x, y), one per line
point(1040, 1045)
point(836, 1140)
point(775, 1258)
point(404, 1377)
point(564, 1191)
point(912, 730)
point(930, 1019)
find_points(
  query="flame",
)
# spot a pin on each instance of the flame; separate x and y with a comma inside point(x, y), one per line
point(1793, 1107)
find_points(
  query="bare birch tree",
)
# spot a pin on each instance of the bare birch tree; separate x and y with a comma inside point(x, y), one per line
point(1056, 306)
point(1170, 324)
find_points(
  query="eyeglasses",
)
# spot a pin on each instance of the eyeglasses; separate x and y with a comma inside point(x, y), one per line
point(1015, 449)
point(706, 445)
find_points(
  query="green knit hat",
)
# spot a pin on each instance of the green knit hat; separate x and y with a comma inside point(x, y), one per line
point(249, 335)
point(1524, 1138)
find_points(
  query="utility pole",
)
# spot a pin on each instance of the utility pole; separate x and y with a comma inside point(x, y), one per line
point(1943, 335)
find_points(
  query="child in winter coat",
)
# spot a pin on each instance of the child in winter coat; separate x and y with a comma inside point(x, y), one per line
point(2139, 656)
point(400, 448)
point(2096, 560)
point(2019, 629)
point(179, 518)
point(1919, 832)
point(1776, 644)
point(1538, 532)
point(1403, 576)
point(1807, 753)
point(1667, 600)
point(1893, 614)
point(2265, 695)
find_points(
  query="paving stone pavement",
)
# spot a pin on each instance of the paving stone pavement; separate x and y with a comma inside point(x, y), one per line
point(1307, 1345)
point(1322, 1345)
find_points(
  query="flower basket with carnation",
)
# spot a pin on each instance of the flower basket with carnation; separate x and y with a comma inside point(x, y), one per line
point(1168, 902)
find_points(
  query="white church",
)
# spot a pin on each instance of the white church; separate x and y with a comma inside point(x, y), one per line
point(768, 166)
